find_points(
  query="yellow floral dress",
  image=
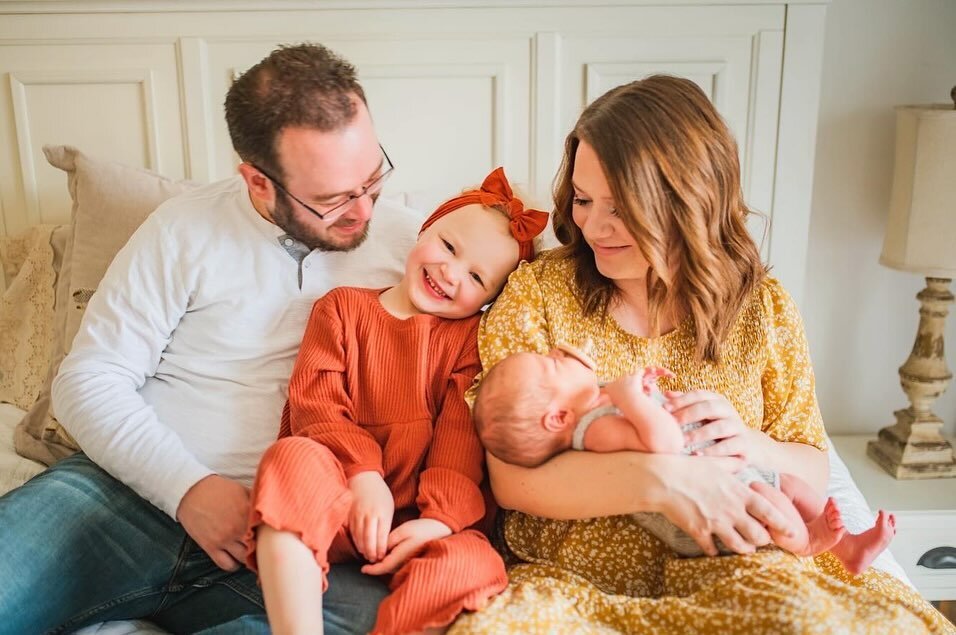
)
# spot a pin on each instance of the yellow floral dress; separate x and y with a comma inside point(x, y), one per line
point(608, 575)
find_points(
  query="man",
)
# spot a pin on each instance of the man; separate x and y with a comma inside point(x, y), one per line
point(176, 381)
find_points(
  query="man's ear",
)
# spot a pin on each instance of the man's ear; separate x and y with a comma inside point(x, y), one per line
point(259, 186)
point(557, 420)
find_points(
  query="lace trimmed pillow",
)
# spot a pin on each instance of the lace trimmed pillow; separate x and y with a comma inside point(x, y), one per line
point(30, 263)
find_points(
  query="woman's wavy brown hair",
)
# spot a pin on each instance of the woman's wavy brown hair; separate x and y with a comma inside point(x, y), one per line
point(671, 165)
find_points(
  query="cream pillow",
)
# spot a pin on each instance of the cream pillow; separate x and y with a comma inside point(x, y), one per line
point(110, 201)
point(30, 264)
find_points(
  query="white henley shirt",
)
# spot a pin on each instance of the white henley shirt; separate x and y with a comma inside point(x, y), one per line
point(180, 368)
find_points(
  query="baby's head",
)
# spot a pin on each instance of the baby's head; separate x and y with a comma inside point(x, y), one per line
point(528, 404)
point(467, 248)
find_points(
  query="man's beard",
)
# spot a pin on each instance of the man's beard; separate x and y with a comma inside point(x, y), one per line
point(284, 217)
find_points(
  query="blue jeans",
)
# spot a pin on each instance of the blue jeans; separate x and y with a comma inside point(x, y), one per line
point(79, 547)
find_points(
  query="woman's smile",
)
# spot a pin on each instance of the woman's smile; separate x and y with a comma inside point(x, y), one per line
point(608, 250)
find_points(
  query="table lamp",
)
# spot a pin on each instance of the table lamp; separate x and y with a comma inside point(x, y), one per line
point(921, 238)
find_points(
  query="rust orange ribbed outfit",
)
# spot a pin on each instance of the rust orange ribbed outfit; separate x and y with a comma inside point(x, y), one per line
point(372, 392)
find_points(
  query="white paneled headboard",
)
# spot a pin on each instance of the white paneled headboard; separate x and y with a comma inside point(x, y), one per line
point(455, 87)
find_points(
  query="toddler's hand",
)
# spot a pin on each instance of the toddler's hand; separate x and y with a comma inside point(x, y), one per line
point(370, 518)
point(406, 541)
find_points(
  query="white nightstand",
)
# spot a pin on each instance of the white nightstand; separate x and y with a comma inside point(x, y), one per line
point(925, 515)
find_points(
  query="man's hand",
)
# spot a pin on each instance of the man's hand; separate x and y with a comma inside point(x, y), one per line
point(214, 512)
point(406, 541)
point(370, 519)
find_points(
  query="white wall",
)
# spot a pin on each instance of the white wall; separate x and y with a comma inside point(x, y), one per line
point(861, 317)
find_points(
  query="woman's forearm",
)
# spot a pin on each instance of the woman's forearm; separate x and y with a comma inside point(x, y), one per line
point(575, 485)
point(700, 495)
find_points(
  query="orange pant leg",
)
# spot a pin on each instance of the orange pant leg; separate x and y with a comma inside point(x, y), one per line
point(300, 488)
point(451, 575)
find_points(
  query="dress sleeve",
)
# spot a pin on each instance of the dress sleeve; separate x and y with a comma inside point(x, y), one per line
point(515, 323)
point(320, 407)
point(791, 412)
point(449, 486)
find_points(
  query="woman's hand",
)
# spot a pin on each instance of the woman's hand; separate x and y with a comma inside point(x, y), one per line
point(722, 425)
point(703, 497)
point(370, 518)
point(406, 541)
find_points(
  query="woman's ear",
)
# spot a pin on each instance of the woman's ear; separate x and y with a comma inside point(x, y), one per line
point(557, 419)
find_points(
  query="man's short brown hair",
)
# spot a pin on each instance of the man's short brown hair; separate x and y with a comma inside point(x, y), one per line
point(305, 85)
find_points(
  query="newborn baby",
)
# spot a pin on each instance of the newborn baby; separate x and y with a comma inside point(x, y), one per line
point(531, 407)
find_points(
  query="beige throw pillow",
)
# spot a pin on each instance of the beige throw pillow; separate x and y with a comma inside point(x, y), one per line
point(110, 201)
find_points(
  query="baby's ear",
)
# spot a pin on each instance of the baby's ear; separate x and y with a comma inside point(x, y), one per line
point(557, 420)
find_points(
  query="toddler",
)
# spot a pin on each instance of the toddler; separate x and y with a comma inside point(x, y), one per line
point(530, 407)
point(378, 459)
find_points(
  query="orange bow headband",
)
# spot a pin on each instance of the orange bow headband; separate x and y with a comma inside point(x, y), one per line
point(495, 191)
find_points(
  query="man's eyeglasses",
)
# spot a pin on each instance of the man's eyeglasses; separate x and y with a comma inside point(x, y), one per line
point(336, 210)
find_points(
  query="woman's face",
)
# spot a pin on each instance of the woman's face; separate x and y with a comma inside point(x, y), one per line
point(593, 209)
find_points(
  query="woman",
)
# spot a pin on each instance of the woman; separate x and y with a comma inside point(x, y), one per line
point(657, 268)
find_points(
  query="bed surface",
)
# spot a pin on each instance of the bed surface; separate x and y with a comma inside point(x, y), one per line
point(14, 469)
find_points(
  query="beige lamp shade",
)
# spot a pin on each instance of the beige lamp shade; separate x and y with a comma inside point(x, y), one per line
point(921, 231)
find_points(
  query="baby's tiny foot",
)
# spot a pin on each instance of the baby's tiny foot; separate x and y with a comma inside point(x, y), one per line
point(826, 530)
point(833, 515)
point(858, 551)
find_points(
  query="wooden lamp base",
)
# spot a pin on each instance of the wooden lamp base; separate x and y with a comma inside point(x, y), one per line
point(914, 447)
point(916, 456)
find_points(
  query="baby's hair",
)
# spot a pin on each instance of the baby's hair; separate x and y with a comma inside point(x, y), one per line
point(508, 416)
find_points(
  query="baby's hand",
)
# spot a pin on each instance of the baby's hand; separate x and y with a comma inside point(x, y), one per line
point(406, 541)
point(637, 397)
point(370, 518)
point(650, 376)
point(641, 382)
point(628, 386)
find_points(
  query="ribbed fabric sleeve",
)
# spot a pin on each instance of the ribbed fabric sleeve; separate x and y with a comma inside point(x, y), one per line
point(448, 488)
point(319, 403)
point(387, 395)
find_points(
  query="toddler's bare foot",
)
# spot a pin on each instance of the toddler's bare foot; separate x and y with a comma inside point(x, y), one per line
point(827, 529)
point(857, 551)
